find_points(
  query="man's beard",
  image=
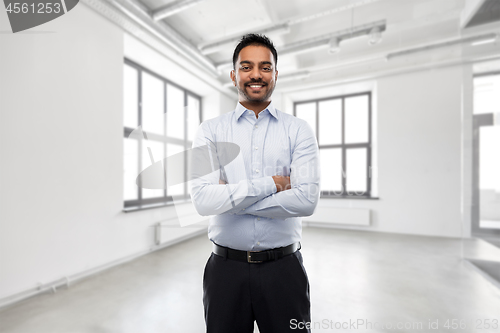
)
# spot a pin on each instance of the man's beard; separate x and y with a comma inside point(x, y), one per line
point(256, 99)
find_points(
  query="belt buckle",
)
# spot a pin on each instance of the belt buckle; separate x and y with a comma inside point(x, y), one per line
point(249, 258)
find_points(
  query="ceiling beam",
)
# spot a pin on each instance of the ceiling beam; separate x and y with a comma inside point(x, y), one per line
point(470, 9)
point(217, 46)
point(323, 40)
point(214, 46)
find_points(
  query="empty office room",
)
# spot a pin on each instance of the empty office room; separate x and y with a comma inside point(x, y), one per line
point(249, 166)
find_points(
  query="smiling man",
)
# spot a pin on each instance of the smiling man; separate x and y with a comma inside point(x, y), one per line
point(254, 75)
point(255, 272)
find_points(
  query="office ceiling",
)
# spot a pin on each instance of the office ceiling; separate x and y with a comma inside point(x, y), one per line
point(408, 24)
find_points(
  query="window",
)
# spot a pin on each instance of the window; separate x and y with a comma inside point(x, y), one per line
point(486, 93)
point(342, 126)
point(160, 120)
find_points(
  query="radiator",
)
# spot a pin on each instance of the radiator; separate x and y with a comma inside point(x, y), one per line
point(170, 231)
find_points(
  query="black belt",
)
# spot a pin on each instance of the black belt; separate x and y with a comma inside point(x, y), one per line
point(255, 257)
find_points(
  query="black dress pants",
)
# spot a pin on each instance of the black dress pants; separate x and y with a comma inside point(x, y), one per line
point(274, 293)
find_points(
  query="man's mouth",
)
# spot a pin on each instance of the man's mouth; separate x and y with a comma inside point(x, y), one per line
point(256, 86)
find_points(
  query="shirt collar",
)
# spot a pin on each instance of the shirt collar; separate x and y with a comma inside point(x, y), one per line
point(240, 109)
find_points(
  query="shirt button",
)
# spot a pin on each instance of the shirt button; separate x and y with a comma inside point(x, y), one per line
point(243, 208)
point(256, 148)
point(257, 170)
point(256, 126)
point(258, 219)
point(258, 243)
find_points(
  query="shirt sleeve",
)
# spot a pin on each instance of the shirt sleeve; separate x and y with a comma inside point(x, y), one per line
point(208, 196)
point(303, 197)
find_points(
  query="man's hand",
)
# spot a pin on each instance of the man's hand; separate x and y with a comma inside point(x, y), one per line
point(282, 183)
point(221, 182)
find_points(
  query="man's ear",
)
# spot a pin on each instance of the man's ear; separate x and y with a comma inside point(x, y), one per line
point(232, 75)
point(276, 76)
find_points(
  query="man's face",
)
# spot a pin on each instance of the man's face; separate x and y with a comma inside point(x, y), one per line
point(255, 74)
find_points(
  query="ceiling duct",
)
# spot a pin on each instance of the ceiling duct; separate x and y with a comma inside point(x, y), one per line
point(173, 8)
point(138, 13)
point(360, 30)
point(474, 40)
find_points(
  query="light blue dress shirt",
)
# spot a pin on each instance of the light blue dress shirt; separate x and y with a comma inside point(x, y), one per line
point(248, 213)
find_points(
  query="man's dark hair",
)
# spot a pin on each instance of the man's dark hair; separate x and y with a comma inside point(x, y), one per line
point(254, 39)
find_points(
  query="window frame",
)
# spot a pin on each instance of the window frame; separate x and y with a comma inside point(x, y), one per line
point(345, 146)
point(141, 203)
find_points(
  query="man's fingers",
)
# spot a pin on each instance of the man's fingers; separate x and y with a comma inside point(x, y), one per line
point(282, 183)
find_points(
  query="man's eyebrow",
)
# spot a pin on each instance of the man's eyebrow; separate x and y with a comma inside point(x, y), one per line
point(249, 62)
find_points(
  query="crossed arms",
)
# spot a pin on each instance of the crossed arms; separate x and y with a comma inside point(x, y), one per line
point(270, 196)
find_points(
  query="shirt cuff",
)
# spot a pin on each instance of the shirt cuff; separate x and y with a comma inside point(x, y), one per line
point(263, 186)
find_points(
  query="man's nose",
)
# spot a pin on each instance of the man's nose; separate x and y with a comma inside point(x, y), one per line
point(255, 74)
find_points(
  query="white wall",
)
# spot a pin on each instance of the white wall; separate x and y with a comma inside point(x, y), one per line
point(227, 103)
point(419, 138)
point(61, 151)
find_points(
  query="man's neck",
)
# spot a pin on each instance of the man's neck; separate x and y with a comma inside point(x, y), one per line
point(255, 107)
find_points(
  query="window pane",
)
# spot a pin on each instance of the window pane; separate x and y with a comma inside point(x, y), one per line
point(489, 163)
point(307, 111)
point(193, 116)
point(152, 104)
point(175, 171)
point(331, 170)
point(356, 170)
point(356, 119)
point(130, 169)
point(175, 112)
point(330, 125)
point(489, 177)
point(188, 168)
point(157, 154)
point(487, 94)
point(130, 96)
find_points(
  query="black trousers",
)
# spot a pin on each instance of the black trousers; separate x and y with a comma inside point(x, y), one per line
point(274, 293)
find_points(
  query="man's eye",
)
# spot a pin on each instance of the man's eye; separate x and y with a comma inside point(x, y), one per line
point(267, 68)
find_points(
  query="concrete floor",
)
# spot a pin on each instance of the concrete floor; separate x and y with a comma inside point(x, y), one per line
point(371, 277)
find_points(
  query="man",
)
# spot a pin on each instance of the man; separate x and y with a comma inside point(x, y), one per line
point(255, 272)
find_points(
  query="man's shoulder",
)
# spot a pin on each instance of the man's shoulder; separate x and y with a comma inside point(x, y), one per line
point(285, 116)
point(290, 119)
